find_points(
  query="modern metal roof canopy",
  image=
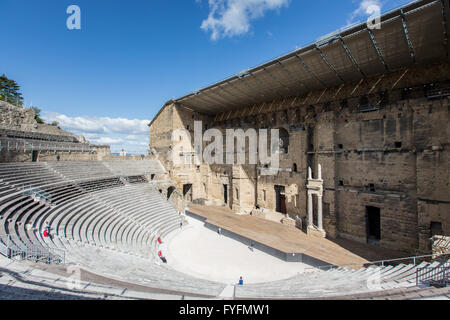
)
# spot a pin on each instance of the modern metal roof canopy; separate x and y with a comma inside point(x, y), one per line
point(415, 34)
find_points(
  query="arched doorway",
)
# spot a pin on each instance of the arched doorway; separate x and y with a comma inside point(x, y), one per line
point(284, 141)
point(169, 192)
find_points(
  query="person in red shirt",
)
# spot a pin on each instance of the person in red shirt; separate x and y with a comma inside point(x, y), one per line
point(159, 240)
point(45, 233)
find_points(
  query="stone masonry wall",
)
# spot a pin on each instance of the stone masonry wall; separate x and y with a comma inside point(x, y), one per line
point(395, 158)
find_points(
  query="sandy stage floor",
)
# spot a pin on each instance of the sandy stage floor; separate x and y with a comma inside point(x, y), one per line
point(203, 253)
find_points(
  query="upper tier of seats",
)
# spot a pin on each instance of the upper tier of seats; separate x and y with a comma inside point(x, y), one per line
point(37, 136)
point(134, 168)
point(45, 173)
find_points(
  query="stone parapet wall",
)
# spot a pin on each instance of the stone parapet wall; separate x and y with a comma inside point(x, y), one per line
point(18, 119)
point(394, 158)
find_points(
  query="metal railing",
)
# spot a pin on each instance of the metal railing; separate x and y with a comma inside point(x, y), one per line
point(32, 252)
point(438, 276)
point(411, 260)
point(3, 249)
point(438, 93)
point(24, 145)
point(441, 242)
point(36, 194)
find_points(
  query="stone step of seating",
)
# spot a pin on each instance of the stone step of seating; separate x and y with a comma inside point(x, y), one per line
point(27, 282)
point(15, 217)
point(405, 272)
point(330, 283)
point(134, 168)
point(412, 275)
point(141, 271)
point(100, 215)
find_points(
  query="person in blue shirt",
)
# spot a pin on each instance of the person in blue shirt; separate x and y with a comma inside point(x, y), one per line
point(241, 281)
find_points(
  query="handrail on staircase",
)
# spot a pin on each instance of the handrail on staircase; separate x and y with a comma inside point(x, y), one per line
point(381, 262)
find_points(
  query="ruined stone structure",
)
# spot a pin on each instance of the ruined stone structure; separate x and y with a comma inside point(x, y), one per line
point(22, 139)
point(370, 106)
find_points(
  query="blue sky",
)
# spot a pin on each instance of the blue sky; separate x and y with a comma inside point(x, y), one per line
point(109, 79)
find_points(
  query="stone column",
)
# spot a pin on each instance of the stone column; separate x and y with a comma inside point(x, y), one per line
point(319, 213)
point(310, 210)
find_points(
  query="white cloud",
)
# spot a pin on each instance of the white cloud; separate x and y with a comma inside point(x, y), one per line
point(228, 18)
point(119, 133)
point(108, 140)
point(99, 125)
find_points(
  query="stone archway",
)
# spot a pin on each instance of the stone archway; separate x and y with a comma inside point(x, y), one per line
point(170, 191)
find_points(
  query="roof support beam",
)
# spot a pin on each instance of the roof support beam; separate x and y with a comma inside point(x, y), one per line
point(355, 63)
point(203, 97)
point(277, 80)
point(262, 84)
point(250, 88)
point(229, 93)
point(194, 109)
point(227, 101)
point(310, 71)
point(291, 75)
point(329, 64)
point(380, 55)
point(289, 90)
point(408, 40)
point(238, 89)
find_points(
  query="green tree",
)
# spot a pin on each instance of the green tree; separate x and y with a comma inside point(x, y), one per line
point(10, 91)
point(3, 87)
point(37, 115)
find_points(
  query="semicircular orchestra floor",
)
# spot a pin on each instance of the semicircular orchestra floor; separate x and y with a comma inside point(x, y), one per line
point(203, 253)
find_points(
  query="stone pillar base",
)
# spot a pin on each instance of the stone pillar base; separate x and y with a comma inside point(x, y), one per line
point(312, 231)
point(288, 222)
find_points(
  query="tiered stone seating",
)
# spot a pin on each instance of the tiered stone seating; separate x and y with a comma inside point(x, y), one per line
point(81, 170)
point(21, 209)
point(101, 223)
point(23, 281)
point(336, 282)
point(110, 231)
point(127, 218)
point(22, 175)
point(134, 168)
point(137, 179)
